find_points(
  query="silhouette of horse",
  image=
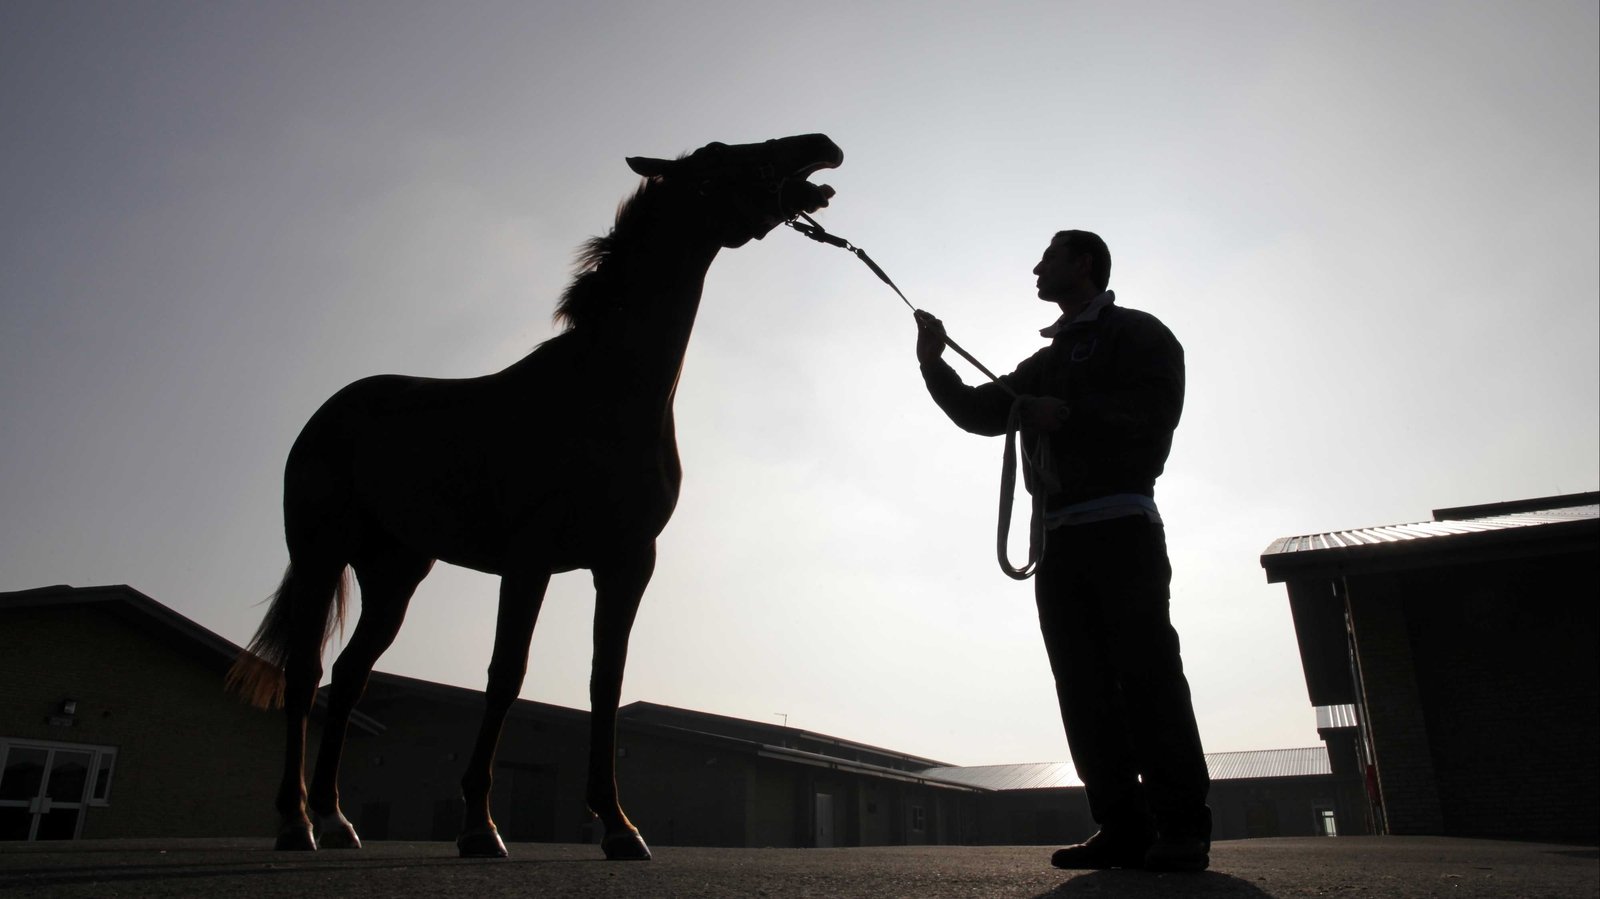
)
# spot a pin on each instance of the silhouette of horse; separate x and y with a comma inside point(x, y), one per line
point(567, 459)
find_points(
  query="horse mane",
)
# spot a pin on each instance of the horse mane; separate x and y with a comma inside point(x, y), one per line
point(595, 293)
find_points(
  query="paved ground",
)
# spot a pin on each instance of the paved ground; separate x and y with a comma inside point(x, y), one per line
point(1345, 867)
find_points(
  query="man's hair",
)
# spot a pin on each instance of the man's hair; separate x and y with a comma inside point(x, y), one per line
point(1090, 244)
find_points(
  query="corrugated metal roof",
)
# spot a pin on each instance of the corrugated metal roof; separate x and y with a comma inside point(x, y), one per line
point(1304, 762)
point(1034, 776)
point(1336, 716)
point(1530, 528)
point(1399, 533)
point(1268, 763)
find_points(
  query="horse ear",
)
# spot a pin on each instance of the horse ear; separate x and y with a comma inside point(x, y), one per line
point(649, 168)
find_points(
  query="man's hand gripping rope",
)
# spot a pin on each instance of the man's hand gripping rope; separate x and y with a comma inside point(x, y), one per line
point(1038, 414)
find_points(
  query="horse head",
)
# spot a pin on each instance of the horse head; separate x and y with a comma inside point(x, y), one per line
point(746, 190)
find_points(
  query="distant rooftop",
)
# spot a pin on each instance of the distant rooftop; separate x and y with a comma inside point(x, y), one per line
point(1035, 776)
point(1507, 528)
point(773, 735)
point(1306, 762)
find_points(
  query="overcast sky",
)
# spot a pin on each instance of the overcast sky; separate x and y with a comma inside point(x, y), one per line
point(1373, 226)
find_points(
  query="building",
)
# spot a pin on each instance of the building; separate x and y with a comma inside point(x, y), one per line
point(1262, 793)
point(1453, 663)
point(691, 778)
point(782, 786)
point(686, 778)
point(113, 723)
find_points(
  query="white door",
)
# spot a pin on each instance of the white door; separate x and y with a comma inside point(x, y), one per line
point(43, 792)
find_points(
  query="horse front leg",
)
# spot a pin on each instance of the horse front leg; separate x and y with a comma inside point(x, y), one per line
point(619, 585)
point(521, 595)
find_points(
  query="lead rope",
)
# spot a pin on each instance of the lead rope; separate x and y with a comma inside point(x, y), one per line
point(1008, 488)
point(1037, 461)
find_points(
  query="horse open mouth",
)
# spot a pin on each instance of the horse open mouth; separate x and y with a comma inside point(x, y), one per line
point(799, 195)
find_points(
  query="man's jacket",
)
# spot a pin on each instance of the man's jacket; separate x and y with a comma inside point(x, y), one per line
point(1120, 373)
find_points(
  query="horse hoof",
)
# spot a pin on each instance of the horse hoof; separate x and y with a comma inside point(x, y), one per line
point(626, 847)
point(336, 832)
point(295, 839)
point(485, 844)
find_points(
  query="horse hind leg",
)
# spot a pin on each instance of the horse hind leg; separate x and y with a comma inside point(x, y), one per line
point(388, 581)
point(308, 592)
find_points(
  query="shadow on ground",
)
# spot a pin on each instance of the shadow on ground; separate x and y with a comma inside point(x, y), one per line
point(1145, 883)
point(298, 864)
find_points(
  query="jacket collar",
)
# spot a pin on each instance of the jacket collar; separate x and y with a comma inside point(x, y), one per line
point(1090, 313)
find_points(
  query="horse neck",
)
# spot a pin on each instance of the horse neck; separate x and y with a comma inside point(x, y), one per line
point(662, 284)
point(663, 274)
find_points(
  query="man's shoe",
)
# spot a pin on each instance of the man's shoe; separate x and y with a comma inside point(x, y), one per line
point(1178, 852)
point(1103, 850)
point(1182, 843)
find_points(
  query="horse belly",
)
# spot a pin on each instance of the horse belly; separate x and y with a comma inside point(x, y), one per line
point(438, 486)
point(632, 492)
point(599, 499)
point(482, 487)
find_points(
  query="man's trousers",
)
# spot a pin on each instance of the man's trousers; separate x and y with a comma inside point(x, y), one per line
point(1102, 589)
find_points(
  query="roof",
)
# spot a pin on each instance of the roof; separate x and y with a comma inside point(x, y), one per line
point(1033, 776)
point(1524, 527)
point(1305, 762)
point(788, 744)
point(134, 607)
point(1254, 764)
point(155, 619)
point(772, 734)
point(1336, 717)
point(386, 686)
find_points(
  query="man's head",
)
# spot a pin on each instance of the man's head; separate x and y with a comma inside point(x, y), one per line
point(1075, 268)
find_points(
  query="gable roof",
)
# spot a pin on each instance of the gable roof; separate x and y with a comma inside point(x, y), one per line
point(132, 607)
point(156, 621)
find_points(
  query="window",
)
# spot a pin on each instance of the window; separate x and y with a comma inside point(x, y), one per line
point(106, 761)
point(919, 818)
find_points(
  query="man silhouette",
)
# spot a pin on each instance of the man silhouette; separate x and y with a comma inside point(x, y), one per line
point(1108, 391)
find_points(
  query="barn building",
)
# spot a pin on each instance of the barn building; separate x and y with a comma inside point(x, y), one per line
point(113, 723)
point(1453, 664)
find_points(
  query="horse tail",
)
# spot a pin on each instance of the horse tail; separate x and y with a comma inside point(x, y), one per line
point(297, 609)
